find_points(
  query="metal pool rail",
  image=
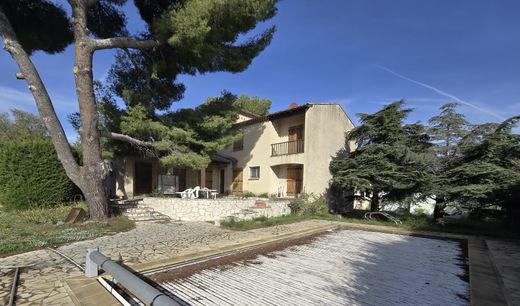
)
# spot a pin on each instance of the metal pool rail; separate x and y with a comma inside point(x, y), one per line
point(142, 290)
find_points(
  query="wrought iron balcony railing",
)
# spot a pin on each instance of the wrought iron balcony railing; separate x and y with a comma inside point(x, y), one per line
point(287, 147)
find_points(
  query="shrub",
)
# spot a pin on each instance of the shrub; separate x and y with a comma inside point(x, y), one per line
point(315, 206)
point(32, 176)
point(248, 194)
point(296, 206)
point(264, 195)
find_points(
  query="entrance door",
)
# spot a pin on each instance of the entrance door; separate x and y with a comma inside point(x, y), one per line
point(209, 178)
point(222, 187)
point(237, 181)
point(142, 178)
point(294, 180)
point(295, 134)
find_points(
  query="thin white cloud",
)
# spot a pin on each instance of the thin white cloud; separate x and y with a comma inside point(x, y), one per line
point(443, 93)
point(15, 98)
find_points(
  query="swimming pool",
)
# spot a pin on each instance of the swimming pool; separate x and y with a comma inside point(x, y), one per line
point(345, 267)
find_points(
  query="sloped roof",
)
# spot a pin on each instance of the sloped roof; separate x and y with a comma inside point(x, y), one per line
point(249, 114)
point(277, 115)
point(219, 158)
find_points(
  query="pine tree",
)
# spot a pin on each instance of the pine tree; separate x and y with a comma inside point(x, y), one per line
point(254, 105)
point(181, 37)
point(446, 130)
point(392, 160)
point(488, 170)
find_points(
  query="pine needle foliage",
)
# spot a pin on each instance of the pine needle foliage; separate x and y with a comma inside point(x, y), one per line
point(392, 160)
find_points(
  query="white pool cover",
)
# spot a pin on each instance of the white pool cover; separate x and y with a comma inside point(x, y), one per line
point(345, 268)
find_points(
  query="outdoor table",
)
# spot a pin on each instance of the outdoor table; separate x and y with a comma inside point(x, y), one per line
point(207, 192)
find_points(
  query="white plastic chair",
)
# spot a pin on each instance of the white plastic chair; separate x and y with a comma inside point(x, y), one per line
point(195, 193)
point(281, 189)
point(186, 193)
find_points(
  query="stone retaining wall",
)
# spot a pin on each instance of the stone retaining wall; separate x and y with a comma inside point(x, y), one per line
point(215, 209)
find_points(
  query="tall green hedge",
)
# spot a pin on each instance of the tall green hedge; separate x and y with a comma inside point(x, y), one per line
point(31, 175)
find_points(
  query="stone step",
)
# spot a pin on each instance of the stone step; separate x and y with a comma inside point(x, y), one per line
point(144, 213)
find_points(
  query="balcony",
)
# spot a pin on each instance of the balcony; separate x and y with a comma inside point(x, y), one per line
point(287, 147)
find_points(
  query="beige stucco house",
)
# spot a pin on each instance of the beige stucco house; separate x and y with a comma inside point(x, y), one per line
point(285, 153)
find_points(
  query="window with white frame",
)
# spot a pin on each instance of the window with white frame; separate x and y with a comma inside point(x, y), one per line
point(254, 173)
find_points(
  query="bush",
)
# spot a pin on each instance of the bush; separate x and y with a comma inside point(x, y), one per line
point(315, 206)
point(264, 195)
point(32, 176)
point(248, 194)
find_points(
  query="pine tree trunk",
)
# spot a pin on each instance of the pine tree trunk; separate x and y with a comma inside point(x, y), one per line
point(96, 199)
point(439, 206)
point(92, 173)
point(374, 201)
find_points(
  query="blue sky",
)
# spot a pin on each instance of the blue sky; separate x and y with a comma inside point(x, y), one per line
point(360, 53)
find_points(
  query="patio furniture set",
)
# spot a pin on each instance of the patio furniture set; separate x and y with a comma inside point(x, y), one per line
point(194, 193)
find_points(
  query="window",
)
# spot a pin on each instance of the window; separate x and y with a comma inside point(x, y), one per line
point(238, 145)
point(254, 173)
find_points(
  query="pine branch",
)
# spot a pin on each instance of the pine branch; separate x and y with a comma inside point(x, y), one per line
point(124, 42)
point(126, 138)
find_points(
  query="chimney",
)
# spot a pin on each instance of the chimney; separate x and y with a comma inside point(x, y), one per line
point(293, 105)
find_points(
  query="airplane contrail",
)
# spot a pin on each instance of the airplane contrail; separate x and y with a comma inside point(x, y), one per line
point(442, 93)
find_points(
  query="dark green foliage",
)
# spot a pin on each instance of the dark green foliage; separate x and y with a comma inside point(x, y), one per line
point(204, 33)
point(31, 175)
point(488, 171)
point(446, 130)
point(20, 125)
point(254, 105)
point(106, 19)
point(137, 79)
point(44, 25)
point(39, 24)
point(197, 36)
point(392, 161)
point(248, 194)
point(187, 137)
point(151, 10)
point(315, 206)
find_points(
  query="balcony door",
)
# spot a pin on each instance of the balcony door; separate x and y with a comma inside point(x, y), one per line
point(294, 180)
point(295, 134)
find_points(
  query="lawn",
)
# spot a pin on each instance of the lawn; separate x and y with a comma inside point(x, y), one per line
point(492, 228)
point(38, 228)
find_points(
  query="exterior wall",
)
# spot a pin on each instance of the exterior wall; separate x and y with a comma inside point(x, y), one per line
point(325, 125)
point(257, 153)
point(192, 178)
point(125, 175)
point(257, 145)
point(242, 117)
point(214, 210)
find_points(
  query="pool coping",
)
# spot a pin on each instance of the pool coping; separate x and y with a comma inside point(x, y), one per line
point(486, 287)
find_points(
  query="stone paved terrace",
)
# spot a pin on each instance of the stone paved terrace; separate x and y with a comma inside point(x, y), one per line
point(506, 258)
point(42, 282)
